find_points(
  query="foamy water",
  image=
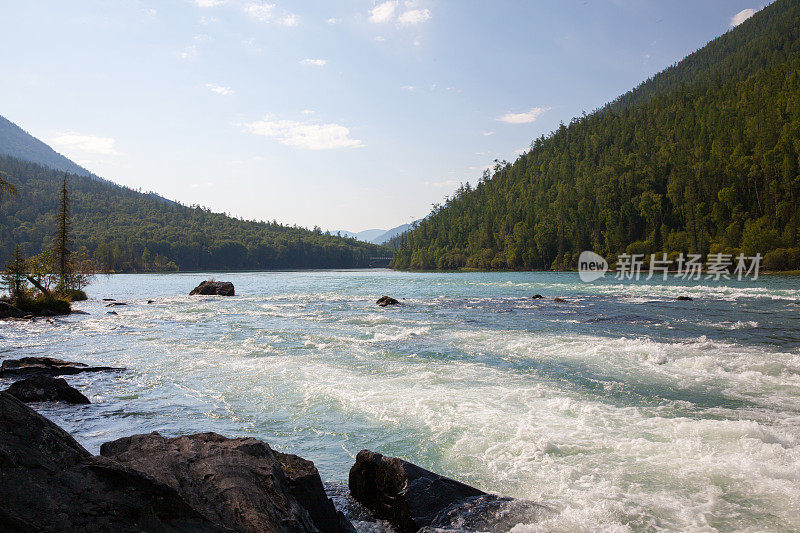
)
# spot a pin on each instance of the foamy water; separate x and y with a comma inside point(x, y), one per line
point(621, 410)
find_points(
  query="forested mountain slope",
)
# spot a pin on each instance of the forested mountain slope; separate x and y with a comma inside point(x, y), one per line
point(131, 231)
point(705, 166)
point(16, 142)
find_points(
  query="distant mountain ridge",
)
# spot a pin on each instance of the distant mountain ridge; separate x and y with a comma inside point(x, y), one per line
point(16, 142)
point(376, 236)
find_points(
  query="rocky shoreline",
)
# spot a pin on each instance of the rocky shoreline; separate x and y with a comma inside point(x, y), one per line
point(205, 481)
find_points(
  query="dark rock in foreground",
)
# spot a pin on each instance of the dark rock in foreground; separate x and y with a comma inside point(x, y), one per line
point(240, 484)
point(9, 311)
point(47, 366)
point(208, 288)
point(537, 296)
point(49, 482)
point(412, 498)
point(383, 301)
point(41, 388)
point(684, 298)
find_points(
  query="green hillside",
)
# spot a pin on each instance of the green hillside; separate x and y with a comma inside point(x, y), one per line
point(702, 158)
point(130, 231)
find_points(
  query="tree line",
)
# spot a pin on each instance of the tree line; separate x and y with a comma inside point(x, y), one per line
point(705, 160)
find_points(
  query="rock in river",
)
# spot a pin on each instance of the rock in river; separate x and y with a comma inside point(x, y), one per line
point(49, 482)
point(240, 484)
point(208, 288)
point(47, 366)
point(39, 388)
point(412, 498)
point(383, 301)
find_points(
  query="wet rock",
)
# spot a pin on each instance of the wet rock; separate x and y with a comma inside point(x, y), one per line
point(49, 482)
point(208, 288)
point(111, 312)
point(537, 296)
point(109, 299)
point(383, 301)
point(47, 366)
point(684, 299)
point(406, 495)
point(559, 300)
point(79, 312)
point(150, 301)
point(240, 484)
point(9, 311)
point(115, 304)
point(46, 389)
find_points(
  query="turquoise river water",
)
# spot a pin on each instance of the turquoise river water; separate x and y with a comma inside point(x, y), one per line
point(621, 409)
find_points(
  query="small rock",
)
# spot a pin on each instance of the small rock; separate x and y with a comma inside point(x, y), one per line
point(210, 288)
point(559, 300)
point(41, 388)
point(114, 304)
point(684, 298)
point(150, 301)
point(79, 312)
point(108, 299)
point(537, 296)
point(383, 301)
point(111, 312)
point(47, 366)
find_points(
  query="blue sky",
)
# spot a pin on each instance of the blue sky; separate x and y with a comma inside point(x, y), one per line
point(347, 115)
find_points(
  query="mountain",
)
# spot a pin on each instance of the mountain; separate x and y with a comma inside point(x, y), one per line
point(368, 235)
point(386, 236)
point(129, 231)
point(702, 158)
point(16, 142)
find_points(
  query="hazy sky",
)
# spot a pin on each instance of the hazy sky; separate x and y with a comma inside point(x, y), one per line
point(347, 115)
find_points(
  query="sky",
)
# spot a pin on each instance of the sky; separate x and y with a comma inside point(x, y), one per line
point(348, 115)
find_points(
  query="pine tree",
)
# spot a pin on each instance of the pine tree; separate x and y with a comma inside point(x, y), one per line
point(61, 253)
point(13, 277)
point(5, 186)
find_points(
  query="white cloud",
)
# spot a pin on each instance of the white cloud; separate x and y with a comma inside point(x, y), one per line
point(409, 88)
point(304, 135)
point(741, 16)
point(190, 52)
point(380, 39)
point(487, 133)
point(314, 62)
point(383, 12)
point(414, 16)
point(260, 11)
point(150, 12)
point(209, 3)
point(523, 118)
point(87, 144)
point(219, 89)
point(290, 20)
point(334, 20)
point(307, 111)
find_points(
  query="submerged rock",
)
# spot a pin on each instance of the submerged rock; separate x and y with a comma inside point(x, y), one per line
point(49, 482)
point(537, 296)
point(115, 304)
point(412, 498)
point(684, 298)
point(240, 484)
point(41, 388)
point(208, 288)
point(383, 301)
point(559, 300)
point(47, 366)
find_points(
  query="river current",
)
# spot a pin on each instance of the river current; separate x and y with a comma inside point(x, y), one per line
point(621, 409)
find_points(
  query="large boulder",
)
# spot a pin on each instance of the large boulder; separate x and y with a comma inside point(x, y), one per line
point(46, 366)
point(383, 301)
point(40, 388)
point(412, 498)
point(210, 288)
point(241, 484)
point(49, 482)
